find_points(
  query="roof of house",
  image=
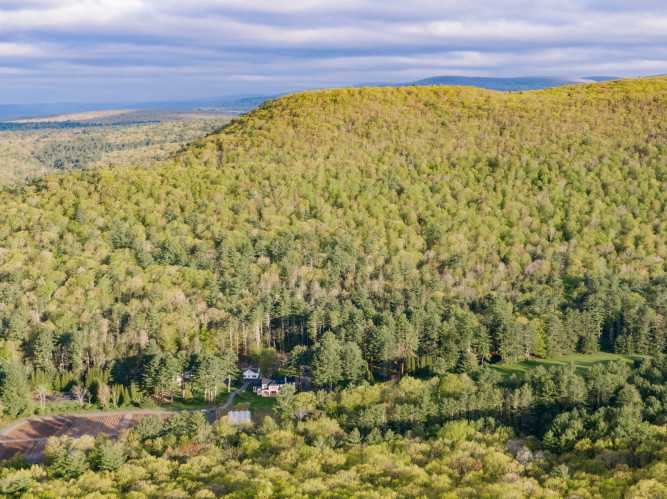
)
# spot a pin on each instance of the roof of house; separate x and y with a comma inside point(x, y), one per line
point(278, 380)
point(251, 368)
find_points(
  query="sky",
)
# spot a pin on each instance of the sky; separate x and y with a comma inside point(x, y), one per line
point(148, 50)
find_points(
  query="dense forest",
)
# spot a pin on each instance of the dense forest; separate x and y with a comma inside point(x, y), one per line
point(422, 225)
point(350, 235)
point(450, 436)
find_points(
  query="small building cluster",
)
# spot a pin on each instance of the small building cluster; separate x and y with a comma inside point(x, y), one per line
point(271, 386)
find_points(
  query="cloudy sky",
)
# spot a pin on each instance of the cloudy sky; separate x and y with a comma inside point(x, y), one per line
point(115, 50)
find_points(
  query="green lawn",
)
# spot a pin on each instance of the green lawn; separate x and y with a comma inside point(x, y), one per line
point(581, 361)
point(190, 403)
point(259, 406)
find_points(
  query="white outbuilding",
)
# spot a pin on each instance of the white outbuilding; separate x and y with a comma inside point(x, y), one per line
point(251, 372)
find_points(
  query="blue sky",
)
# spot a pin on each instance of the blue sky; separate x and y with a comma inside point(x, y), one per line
point(116, 50)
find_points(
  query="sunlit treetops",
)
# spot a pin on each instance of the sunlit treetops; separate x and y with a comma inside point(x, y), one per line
point(388, 216)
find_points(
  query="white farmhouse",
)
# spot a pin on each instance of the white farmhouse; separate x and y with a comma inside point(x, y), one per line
point(250, 373)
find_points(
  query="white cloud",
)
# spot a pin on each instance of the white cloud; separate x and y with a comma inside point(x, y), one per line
point(319, 42)
point(12, 50)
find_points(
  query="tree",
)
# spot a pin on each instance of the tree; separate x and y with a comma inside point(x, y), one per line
point(383, 346)
point(169, 369)
point(68, 463)
point(297, 358)
point(109, 455)
point(152, 356)
point(407, 340)
point(209, 374)
point(116, 394)
point(440, 366)
point(285, 400)
point(564, 432)
point(467, 363)
point(41, 393)
point(507, 332)
point(229, 365)
point(103, 395)
point(80, 393)
point(353, 365)
point(13, 387)
point(149, 427)
point(43, 348)
point(354, 437)
point(555, 336)
point(629, 424)
point(267, 360)
point(304, 404)
point(327, 368)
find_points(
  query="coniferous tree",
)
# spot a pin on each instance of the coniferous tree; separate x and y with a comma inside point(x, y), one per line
point(229, 366)
point(13, 387)
point(327, 368)
point(353, 365)
point(43, 348)
point(152, 357)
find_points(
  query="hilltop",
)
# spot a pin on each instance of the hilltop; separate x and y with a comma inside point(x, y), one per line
point(358, 210)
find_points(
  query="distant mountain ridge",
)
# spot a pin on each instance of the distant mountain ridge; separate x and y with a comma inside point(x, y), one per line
point(247, 102)
point(230, 104)
point(509, 84)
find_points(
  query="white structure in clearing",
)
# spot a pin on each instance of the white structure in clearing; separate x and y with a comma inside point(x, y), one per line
point(251, 372)
point(238, 417)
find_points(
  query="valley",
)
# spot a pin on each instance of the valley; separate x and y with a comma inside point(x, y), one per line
point(32, 147)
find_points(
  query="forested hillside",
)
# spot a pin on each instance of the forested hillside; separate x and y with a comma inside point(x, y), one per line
point(426, 227)
point(356, 234)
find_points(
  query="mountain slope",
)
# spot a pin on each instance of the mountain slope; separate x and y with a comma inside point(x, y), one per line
point(417, 222)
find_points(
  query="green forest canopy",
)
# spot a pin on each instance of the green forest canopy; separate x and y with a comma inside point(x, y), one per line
point(430, 226)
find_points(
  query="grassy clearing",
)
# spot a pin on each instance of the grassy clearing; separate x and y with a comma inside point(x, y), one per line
point(191, 403)
point(582, 362)
point(259, 406)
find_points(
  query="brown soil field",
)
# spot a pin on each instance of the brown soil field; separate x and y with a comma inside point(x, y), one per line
point(39, 428)
point(29, 436)
point(7, 450)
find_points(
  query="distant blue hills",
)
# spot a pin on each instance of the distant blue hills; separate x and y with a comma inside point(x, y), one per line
point(510, 84)
point(243, 103)
point(230, 104)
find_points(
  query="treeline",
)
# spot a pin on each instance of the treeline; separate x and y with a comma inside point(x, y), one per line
point(558, 405)
point(132, 383)
point(459, 435)
point(429, 228)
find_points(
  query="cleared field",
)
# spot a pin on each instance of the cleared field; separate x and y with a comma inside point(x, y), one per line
point(39, 428)
point(7, 450)
point(582, 362)
point(29, 436)
point(35, 453)
point(83, 426)
point(109, 424)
